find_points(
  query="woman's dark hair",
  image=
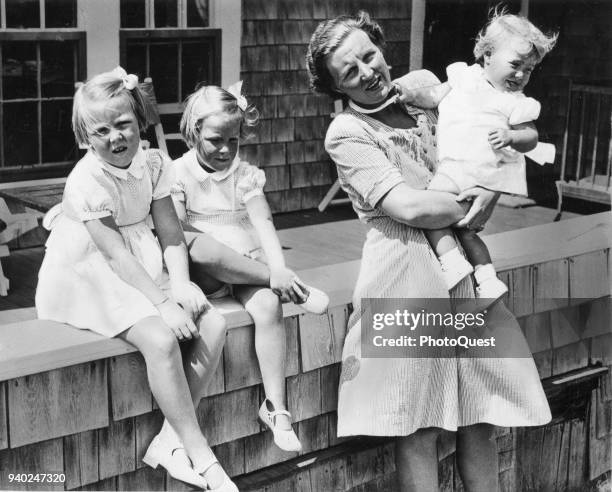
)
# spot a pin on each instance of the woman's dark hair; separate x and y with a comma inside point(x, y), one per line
point(326, 39)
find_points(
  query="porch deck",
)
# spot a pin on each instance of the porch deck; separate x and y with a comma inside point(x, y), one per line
point(337, 240)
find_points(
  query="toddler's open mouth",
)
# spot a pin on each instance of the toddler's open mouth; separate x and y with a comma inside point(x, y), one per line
point(119, 150)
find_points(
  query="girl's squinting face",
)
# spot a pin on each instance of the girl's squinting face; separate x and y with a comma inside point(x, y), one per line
point(510, 65)
point(116, 135)
point(218, 143)
point(359, 70)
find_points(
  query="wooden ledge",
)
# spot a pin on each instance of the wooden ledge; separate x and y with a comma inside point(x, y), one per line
point(29, 346)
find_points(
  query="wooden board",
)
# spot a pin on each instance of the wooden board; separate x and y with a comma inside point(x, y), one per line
point(551, 285)
point(549, 459)
point(116, 448)
point(81, 459)
point(522, 291)
point(147, 427)
point(313, 433)
point(566, 326)
point(304, 395)
point(45, 457)
point(330, 380)
point(589, 276)
point(129, 387)
point(570, 357)
point(260, 451)
point(231, 456)
point(143, 479)
point(597, 318)
point(599, 452)
point(52, 404)
point(3, 417)
point(292, 358)
point(577, 465)
point(329, 476)
point(241, 367)
point(316, 341)
point(537, 328)
point(229, 416)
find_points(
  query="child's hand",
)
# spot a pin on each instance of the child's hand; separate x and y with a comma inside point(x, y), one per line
point(406, 96)
point(190, 298)
point(500, 138)
point(177, 320)
point(282, 282)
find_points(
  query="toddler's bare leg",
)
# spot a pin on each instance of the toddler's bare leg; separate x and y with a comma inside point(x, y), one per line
point(475, 249)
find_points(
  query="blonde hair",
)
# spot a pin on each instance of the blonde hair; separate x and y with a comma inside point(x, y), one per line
point(211, 99)
point(101, 88)
point(502, 25)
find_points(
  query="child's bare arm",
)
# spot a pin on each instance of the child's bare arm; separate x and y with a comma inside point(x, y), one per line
point(281, 277)
point(522, 137)
point(424, 97)
point(172, 241)
point(107, 238)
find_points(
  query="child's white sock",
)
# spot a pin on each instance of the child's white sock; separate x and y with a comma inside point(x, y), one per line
point(484, 272)
point(452, 257)
point(454, 267)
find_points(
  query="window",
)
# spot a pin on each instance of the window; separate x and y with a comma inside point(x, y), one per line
point(41, 57)
point(168, 41)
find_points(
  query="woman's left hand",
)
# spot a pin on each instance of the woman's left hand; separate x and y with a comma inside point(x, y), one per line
point(282, 281)
point(191, 298)
point(483, 203)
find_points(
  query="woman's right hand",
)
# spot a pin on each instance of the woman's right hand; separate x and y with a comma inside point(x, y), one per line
point(177, 320)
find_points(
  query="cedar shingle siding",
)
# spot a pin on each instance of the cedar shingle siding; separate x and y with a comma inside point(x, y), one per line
point(289, 141)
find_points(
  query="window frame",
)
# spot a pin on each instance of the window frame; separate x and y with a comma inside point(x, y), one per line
point(178, 34)
point(40, 169)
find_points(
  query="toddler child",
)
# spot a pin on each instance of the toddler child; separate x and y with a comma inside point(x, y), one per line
point(217, 193)
point(103, 269)
point(485, 125)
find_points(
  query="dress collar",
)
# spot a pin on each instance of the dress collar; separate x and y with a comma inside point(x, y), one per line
point(136, 168)
point(200, 174)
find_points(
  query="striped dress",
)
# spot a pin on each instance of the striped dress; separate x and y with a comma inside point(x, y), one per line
point(397, 396)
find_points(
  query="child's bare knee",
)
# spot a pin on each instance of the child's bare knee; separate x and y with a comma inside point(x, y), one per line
point(213, 322)
point(206, 252)
point(264, 305)
point(162, 344)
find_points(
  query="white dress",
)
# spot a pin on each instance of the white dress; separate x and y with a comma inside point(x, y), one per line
point(216, 202)
point(76, 284)
point(468, 113)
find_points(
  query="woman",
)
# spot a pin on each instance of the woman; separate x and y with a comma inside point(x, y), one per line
point(384, 154)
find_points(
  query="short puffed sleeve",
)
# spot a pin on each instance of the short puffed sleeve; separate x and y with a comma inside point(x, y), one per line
point(461, 76)
point(361, 163)
point(250, 182)
point(526, 109)
point(162, 173)
point(178, 187)
point(88, 197)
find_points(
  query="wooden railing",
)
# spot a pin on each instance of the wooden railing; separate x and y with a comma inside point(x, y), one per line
point(77, 403)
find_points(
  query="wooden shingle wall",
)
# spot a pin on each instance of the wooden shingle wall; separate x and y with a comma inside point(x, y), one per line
point(289, 140)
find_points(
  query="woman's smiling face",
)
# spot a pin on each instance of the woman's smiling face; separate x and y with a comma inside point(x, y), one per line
point(359, 70)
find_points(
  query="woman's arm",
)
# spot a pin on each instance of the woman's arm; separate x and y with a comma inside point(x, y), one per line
point(425, 209)
point(172, 241)
point(281, 277)
point(522, 137)
point(106, 236)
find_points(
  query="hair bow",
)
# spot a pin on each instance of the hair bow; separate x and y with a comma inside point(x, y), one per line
point(129, 80)
point(235, 90)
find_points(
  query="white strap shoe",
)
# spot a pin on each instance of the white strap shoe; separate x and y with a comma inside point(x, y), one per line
point(316, 302)
point(283, 438)
point(174, 460)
